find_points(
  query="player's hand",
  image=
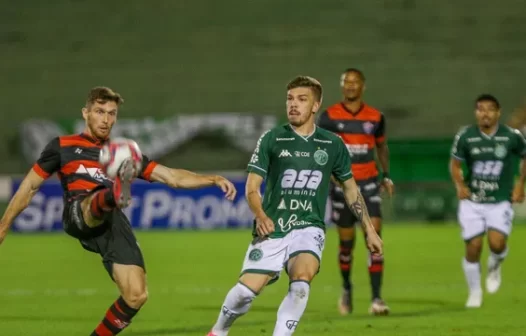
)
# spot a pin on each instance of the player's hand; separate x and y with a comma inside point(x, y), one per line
point(374, 242)
point(264, 226)
point(388, 186)
point(463, 192)
point(227, 187)
point(518, 194)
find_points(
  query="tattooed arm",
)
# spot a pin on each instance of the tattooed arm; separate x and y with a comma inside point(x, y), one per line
point(357, 205)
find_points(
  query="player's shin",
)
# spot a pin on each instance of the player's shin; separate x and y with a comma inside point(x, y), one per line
point(237, 303)
point(345, 261)
point(292, 308)
point(117, 318)
point(495, 259)
point(376, 269)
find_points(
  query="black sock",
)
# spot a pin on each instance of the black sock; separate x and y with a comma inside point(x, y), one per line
point(345, 260)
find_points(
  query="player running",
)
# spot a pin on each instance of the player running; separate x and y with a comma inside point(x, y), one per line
point(93, 203)
point(296, 161)
point(362, 128)
point(485, 190)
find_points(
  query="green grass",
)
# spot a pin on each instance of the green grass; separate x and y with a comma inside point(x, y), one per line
point(51, 286)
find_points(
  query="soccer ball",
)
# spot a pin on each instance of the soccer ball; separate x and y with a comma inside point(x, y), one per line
point(115, 152)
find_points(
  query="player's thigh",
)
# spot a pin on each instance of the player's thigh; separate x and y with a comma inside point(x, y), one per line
point(471, 220)
point(263, 262)
point(341, 215)
point(499, 218)
point(118, 245)
point(305, 252)
point(74, 223)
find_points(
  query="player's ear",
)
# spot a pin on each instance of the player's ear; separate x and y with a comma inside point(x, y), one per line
point(84, 113)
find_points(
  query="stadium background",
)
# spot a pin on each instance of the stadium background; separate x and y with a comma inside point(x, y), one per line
point(202, 79)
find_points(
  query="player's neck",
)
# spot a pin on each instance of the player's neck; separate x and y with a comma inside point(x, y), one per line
point(87, 132)
point(353, 106)
point(490, 131)
point(304, 130)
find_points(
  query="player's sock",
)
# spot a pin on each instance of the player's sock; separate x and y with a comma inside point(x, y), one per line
point(292, 308)
point(117, 318)
point(495, 259)
point(376, 271)
point(237, 303)
point(472, 273)
point(345, 259)
point(102, 202)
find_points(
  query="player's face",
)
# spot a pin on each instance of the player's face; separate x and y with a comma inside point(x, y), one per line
point(301, 106)
point(352, 86)
point(100, 118)
point(487, 114)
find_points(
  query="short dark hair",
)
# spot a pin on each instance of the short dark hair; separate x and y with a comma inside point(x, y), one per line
point(102, 94)
point(306, 81)
point(356, 71)
point(487, 97)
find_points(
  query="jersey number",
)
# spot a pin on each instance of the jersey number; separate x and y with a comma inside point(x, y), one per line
point(306, 178)
point(487, 168)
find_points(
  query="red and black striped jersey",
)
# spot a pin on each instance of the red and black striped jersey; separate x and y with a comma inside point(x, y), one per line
point(360, 131)
point(75, 159)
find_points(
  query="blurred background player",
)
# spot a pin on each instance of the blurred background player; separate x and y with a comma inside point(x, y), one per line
point(362, 128)
point(489, 150)
point(93, 202)
point(297, 161)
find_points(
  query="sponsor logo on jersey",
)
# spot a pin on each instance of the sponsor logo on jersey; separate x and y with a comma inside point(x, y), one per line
point(301, 154)
point(501, 138)
point(323, 141)
point(474, 139)
point(285, 153)
point(96, 173)
point(285, 139)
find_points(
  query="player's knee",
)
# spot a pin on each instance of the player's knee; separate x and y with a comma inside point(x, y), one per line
point(496, 241)
point(304, 275)
point(136, 297)
point(474, 249)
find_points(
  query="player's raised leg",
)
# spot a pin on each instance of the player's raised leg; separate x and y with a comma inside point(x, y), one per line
point(500, 216)
point(102, 202)
point(376, 270)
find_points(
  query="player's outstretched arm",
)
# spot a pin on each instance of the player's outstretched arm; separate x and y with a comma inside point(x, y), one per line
point(20, 201)
point(455, 170)
point(357, 205)
point(185, 179)
point(264, 225)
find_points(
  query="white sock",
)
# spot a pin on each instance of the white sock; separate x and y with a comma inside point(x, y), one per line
point(494, 260)
point(237, 302)
point(472, 273)
point(292, 308)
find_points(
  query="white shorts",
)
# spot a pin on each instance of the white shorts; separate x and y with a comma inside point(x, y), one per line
point(270, 256)
point(476, 218)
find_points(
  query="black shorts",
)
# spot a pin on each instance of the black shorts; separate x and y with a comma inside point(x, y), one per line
point(341, 214)
point(113, 240)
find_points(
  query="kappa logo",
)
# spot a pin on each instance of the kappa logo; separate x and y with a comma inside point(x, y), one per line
point(285, 153)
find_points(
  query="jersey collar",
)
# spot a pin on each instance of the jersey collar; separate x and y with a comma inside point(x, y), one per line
point(489, 136)
point(304, 137)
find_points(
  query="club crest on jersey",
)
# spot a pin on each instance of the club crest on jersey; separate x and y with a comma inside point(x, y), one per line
point(500, 151)
point(321, 157)
point(368, 127)
point(255, 255)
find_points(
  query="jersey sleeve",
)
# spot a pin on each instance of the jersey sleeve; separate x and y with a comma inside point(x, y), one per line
point(520, 145)
point(49, 160)
point(379, 134)
point(342, 165)
point(147, 168)
point(459, 149)
point(260, 160)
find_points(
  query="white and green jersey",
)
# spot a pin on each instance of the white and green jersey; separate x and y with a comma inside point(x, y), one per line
point(490, 161)
point(297, 171)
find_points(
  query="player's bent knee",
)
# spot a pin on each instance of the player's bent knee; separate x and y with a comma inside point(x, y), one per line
point(255, 281)
point(135, 297)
